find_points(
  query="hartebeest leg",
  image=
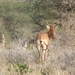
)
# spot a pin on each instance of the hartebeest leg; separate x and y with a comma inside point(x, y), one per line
point(38, 47)
point(46, 55)
point(44, 51)
point(43, 55)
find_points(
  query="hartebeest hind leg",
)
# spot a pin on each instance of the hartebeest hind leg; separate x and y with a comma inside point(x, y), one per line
point(38, 47)
point(43, 55)
point(44, 51)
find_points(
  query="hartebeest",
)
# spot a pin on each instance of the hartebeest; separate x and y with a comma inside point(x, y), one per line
point(43, 39)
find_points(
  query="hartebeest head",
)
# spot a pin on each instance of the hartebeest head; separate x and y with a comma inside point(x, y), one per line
point(43, 40)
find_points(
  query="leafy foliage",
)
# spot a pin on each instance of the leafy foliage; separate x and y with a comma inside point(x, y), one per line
point(22, 68)
point(49, 9)
point(15, 15)
point(43, 9)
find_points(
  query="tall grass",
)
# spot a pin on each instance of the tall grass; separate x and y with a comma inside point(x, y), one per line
point(16, 18)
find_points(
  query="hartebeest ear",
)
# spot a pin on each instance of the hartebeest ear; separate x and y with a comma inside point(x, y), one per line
point(48, 27)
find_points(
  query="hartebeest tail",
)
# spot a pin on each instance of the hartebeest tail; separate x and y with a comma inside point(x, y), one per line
point(43, 40)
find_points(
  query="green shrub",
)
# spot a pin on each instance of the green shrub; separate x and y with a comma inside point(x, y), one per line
point(15, 16)
point(22, 68)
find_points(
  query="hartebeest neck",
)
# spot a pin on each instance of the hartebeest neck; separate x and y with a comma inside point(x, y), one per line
point(50, 34)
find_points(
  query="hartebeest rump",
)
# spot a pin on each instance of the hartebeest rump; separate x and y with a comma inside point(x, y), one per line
point(43, 39)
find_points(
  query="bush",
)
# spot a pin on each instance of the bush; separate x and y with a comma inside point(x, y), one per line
point(15, 16)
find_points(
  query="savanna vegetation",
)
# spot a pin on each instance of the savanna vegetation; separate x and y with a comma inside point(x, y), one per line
point(21, 21)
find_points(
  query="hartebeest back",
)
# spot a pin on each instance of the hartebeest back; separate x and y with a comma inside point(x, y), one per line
point(43, 40)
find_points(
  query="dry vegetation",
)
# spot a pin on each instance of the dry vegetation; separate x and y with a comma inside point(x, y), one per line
point(60, 59)
point(21, 56)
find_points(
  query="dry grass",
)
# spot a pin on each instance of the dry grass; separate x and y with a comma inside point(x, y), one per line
point(60, 59)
